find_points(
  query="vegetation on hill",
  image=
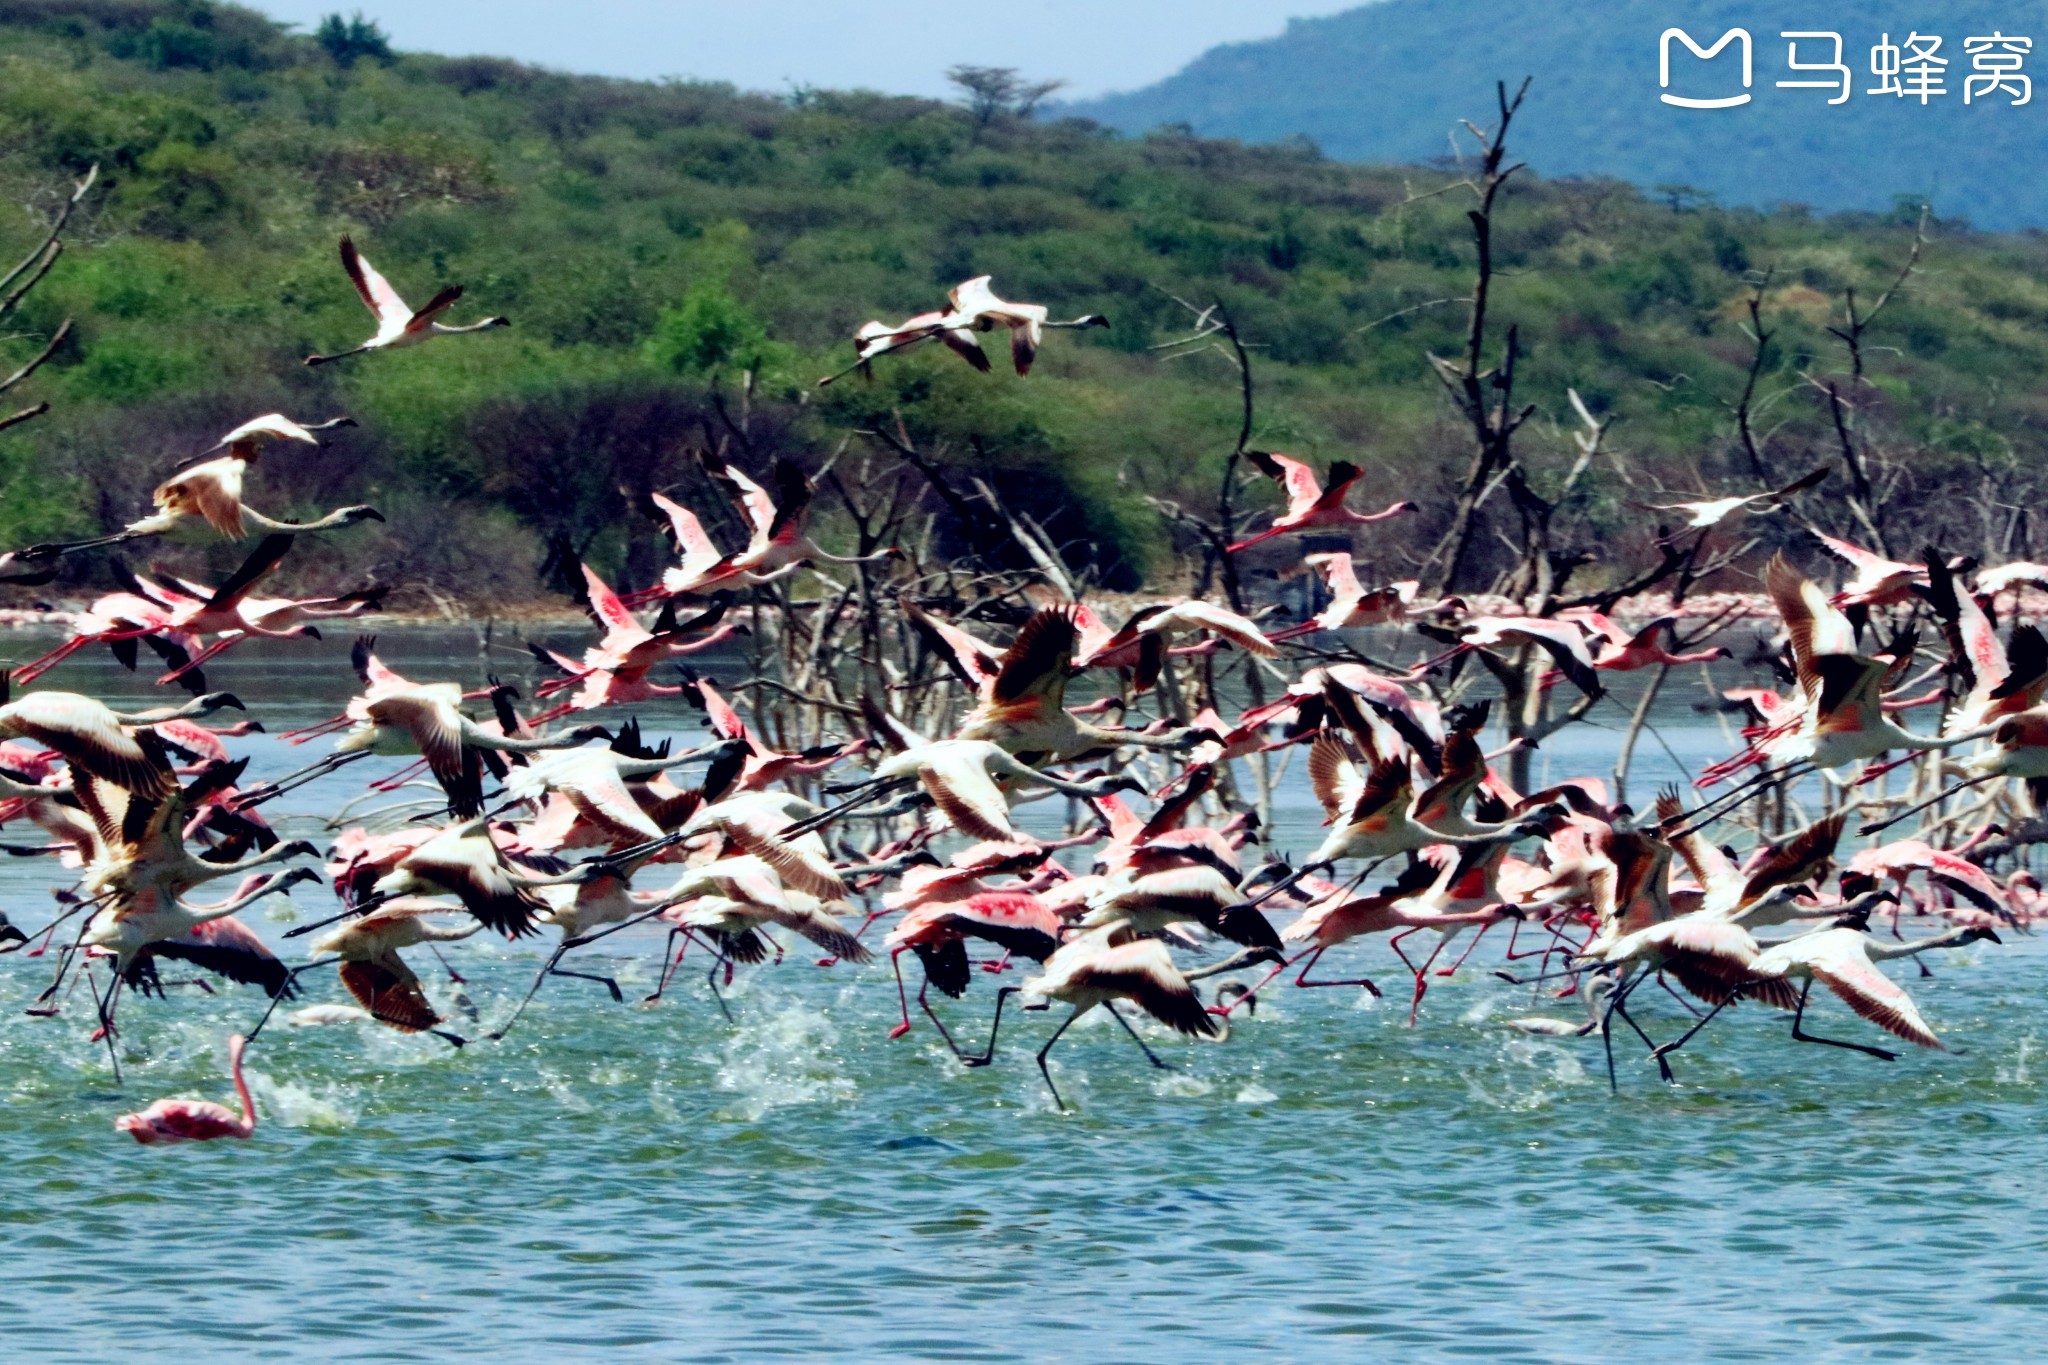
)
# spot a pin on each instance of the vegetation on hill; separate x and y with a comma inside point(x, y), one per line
point(682, 261)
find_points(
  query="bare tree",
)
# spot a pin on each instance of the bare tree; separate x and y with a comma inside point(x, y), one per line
point(18, 282)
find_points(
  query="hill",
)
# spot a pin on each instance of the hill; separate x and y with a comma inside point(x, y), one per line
point(681, 262)
point(1387, 82)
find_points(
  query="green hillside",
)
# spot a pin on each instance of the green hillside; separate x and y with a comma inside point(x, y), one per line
point(651, 242)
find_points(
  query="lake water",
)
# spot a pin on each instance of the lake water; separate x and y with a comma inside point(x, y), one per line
point(661, 1184)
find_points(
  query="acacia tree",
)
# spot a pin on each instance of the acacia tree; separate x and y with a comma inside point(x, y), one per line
point(990, 92)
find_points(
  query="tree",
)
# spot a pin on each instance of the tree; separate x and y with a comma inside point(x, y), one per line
point(16, 284)
point(993, 91)
point(348, 40)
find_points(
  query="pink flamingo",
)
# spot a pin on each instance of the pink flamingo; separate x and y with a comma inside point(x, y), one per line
point(876, 338)
point(169, 1121)
point(1311, 506)
point(1353, 608)
point(397, 324)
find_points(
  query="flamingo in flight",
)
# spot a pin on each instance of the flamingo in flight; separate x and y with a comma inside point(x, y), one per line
point(1311, 506)
point(1713, 511)
point(398, 325)
point(1099, 968)
point(876, 338)
point(203, 500)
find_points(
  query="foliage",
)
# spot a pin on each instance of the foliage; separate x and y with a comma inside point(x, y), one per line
point(652, 241)
point(350, 40)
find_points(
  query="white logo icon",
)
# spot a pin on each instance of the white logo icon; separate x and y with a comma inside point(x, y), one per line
point(1705, 54)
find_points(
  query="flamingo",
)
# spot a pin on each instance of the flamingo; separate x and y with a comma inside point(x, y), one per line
point(1023, 710)
point(1353, 608)
point(95, 739)
point(1099, 968)
point(367, 949)
point(1844, 959)
point(204, 500)
point(962, 777)
point(780, 524)
point(876, 338)
point(1016, 921)
point(1713, 511)
point(169, 1121)
point(1311, 505)
point(1878, 582)
point(397, 716)
point(1841, 717)
point(1141, 642)
point(397, 324)
point(976, 308)
point(1623, 651)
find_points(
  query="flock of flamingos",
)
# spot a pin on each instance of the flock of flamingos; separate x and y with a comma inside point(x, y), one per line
point(550, 820)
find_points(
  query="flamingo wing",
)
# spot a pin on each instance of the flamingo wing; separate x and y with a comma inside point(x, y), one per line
point(1854, 978)
point(424, 319)
point(1144, 971)
point(389, 990)
point(377, 294)
point(1297, 481)
point(229, 948)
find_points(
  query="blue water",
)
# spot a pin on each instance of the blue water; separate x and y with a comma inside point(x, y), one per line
point(661, 1184)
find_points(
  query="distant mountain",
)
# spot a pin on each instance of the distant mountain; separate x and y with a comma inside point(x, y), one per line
point(1387, 82)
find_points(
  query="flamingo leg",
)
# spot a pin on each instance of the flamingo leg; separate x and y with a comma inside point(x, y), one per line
point(1800, 1035)
point(1452, 970)
point(1001, 965)
point(1306, 984)
point(711, 980)
point(539, 978)
point(618, 996)
point(1421, 980)
point(1698, 1024)
point(1224, 1010)
point(1045, 1071)
point(1621, 1008)
point(1150, 1055)
point(668, 972)
point(902, 997)
point(995, 1026)
point(277, 999)
point(1676, 996)
point(937, 1023)
point(105, 1006)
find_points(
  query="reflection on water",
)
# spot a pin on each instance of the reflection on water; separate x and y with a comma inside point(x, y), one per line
point(658, 1183)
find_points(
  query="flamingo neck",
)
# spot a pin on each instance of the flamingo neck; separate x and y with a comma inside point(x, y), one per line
point(236, 1046)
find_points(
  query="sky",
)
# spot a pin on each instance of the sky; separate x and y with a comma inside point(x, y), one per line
point(898, 46)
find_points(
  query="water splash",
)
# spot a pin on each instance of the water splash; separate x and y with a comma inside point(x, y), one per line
point(292, 1104)
point(781, 1055)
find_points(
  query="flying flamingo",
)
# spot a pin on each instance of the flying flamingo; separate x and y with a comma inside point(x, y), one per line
point(1023, 710)
point(1353, 608)
point(1014, 920)
point(1843, 958)
point(1311, 506)
point(1099, 968)
point(204, 500)
point(398, 325)
point(372, 971)
point(1141, 642)
point(1623, 651)
point(1841, 717)
point(169, 1121)
point(976, 307)
point(876, 338)
point(1714, 511)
